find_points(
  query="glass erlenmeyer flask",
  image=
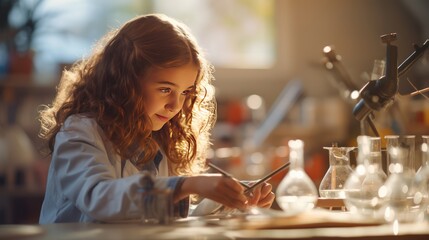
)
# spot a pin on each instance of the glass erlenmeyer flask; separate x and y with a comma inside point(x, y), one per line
point(362, 186)
point(332, 184)
point(405, 195)
point(296, 193)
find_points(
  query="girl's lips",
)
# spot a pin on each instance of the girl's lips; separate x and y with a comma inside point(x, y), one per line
point(162, 118)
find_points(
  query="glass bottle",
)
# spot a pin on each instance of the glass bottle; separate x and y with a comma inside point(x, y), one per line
point(332, 184)
point(361, 188)
point(404, 192)
point(296, 193)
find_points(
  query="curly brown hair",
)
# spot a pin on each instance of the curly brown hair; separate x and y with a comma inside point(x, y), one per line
point(106, 87)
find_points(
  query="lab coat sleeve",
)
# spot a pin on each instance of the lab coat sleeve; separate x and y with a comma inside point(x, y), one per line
point(88, 178)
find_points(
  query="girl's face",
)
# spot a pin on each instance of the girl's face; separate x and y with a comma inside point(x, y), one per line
point(165, 90)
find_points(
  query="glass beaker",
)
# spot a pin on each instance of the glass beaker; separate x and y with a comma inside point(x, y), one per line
point(332, 184)
point(405, 194)
point(296, 193)
point(361, 188)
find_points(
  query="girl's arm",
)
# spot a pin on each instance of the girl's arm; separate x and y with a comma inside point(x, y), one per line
point(224, 190)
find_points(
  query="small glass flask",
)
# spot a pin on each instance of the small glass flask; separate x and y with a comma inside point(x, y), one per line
point(361, 188)
point(296, 193)
point(405, 195)
point(332, 184)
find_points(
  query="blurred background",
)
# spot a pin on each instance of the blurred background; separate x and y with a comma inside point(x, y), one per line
point(285, 69)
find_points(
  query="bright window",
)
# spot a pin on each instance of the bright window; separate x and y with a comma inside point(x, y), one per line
point(233, 33)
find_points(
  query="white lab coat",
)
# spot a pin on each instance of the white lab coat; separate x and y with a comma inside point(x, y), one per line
point(86, 182)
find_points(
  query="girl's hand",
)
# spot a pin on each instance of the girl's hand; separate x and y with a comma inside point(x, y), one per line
point(216, 187)
point(262, 196)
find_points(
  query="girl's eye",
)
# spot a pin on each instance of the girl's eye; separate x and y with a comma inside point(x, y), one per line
point(189, 91)
point(186, 92)
point(165, 90)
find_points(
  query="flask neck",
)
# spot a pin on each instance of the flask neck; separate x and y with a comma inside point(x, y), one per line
point(401, 160)
point(296, 154)
point(296, 159)
point(368, 156)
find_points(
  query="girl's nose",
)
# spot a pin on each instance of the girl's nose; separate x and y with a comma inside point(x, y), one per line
point(174, 104)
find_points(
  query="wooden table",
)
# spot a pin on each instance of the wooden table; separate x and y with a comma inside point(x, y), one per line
point(213, 228)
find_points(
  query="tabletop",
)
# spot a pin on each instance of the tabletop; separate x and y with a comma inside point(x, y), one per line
point(312, 225)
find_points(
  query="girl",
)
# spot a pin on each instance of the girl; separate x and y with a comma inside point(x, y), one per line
point(142, 101)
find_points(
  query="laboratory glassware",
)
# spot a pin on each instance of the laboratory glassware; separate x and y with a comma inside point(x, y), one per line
point(296, 193)
point(332, 184)
point(361, 188)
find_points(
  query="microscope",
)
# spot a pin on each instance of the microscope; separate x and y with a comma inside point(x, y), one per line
point(379, 94)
